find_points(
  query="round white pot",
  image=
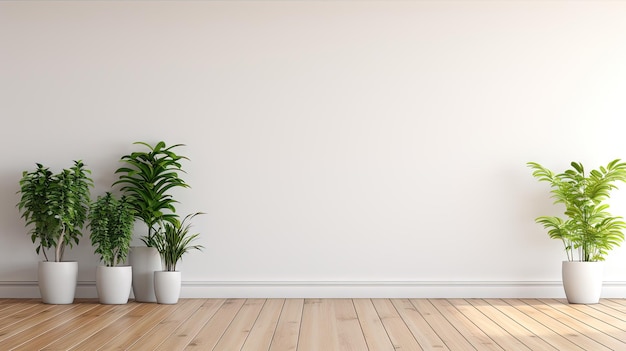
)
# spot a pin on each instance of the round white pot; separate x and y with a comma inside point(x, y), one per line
point(167, 286)
point(113, 284)
point(582, 281)
point(145, 261)
point(57, 281)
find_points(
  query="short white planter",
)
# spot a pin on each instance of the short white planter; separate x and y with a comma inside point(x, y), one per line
point(114, 284)
point(145, 261)
point(582, 281)
point(167, 286)
point(57, 281)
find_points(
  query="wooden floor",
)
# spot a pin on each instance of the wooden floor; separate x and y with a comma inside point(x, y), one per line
point(315, 324)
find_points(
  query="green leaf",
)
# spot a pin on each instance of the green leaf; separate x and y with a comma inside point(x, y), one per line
point(590, 231)
point(55, 206)
point(147, 178)
point(173, 240)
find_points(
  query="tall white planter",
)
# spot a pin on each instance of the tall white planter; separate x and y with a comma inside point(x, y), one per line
point(145, 261)
point(582, 281)
point(113, 284)
point(57, 281)
point(167, 286)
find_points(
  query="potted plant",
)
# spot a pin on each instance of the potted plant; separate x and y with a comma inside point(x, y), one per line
point(147, 179)
point(172, 241)
point(588, 231)
point(55, 206)
point(111, 222)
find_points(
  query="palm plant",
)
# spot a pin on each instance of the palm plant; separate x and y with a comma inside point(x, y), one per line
point(589, 231)
point(56, 206)
point(147, 179)
point(174, 240)
point(111, 222)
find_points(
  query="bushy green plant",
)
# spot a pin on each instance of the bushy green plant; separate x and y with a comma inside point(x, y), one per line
point(111, 222)
point(147, 179)
point(173, 240)
point(55, 206)
point(589, 231)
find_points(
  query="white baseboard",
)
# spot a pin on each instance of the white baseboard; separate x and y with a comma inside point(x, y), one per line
point(343, 289)
point(390, 289)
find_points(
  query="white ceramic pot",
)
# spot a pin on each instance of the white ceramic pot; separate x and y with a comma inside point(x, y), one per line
point(57, 281)
point(167, 286)
point(145, 261)
point(582, 281)
point(113, 284)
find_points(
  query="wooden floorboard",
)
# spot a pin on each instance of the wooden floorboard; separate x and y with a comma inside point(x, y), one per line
point(372, 327)
point(287, 331)
point(315, 324)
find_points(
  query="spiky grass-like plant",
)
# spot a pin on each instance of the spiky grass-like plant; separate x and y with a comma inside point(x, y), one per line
point(173, 240)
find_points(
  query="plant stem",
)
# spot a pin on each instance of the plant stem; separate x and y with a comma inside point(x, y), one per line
point(58, 255)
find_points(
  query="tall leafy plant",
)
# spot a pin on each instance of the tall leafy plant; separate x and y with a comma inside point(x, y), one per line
point(147, 179)
point(174, 240)
point(111, 222)
point(588, 231)
point(55, 206)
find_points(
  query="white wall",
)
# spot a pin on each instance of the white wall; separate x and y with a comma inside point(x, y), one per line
point(339, 148)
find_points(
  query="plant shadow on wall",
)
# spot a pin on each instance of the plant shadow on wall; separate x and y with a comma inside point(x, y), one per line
point(55, 207)
point(588, 231)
